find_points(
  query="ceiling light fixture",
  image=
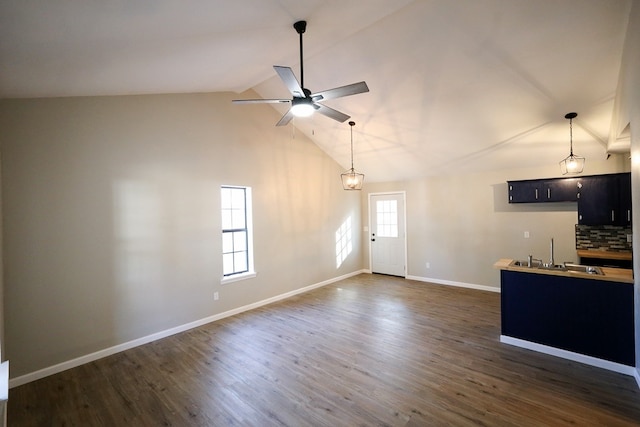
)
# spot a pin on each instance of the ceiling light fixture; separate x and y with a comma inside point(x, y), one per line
point(352, 180)
point(572, 164)
point(302, 107)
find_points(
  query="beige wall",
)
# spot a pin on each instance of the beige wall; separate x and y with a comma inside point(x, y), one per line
point(111, 217)
point(628, 105)
point(2, 355)
point(462, 224)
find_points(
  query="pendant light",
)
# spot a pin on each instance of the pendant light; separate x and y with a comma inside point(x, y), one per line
point(572, 164)
point(352, 180)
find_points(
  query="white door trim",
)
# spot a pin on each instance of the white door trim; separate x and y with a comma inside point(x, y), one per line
point(404, 205)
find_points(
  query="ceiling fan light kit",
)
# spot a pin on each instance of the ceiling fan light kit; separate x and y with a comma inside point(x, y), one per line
point(302, 107)
point(571, 164)
point(304, 103)
point(352, 180)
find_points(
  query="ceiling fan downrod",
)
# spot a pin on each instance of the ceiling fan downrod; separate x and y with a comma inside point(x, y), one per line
point(301, 27)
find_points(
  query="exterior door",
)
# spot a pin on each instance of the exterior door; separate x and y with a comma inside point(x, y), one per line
point(387, 237)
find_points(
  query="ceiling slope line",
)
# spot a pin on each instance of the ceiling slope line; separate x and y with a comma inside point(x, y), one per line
point(496, 146)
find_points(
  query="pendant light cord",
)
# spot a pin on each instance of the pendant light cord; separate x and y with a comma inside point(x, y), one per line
point(352, 124)
point(571, 137)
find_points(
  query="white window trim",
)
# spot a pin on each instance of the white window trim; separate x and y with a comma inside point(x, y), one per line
point(238, 277)
point(249, 214)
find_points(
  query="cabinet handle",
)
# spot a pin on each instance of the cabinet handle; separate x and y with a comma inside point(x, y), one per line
point(613, 215)
point(536, 194)
point(548, 193)
point(628, 215)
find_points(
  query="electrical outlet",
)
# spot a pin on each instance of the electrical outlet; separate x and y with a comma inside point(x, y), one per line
point(428, 265)
point(526, 234)
point(629, 238)
point(216, 296)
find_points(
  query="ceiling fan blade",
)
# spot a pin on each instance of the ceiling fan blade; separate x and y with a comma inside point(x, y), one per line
point(261, 101)
point(330, 112)
point(341, 91)
point(285, 119)
point(290, 81)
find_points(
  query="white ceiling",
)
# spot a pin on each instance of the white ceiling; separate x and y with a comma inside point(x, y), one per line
point(471, 84)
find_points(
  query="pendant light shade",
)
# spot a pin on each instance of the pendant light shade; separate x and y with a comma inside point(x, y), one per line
point(352, 180)
point(571, 164)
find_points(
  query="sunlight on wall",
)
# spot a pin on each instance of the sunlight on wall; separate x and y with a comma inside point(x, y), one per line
point(138, 229)
point(344, 245)
point(166, 244)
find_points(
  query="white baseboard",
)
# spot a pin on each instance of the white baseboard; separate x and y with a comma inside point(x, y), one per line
point(452, 283)
point(576, 357)
point(45, 372)
point(636, 375)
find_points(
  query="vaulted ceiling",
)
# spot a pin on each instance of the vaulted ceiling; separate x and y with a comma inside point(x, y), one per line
point(454, 85)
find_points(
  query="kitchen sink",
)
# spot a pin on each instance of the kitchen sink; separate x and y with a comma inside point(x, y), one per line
point(584, 269)
point(537, 264)
point(534, 264)
point(559, 267)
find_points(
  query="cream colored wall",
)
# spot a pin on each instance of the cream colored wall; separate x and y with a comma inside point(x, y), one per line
point(462, 224)
point(111, 217)
point(628, 105)
point(2, 355)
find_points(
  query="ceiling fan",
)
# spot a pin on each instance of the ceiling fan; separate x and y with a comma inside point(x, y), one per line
point(304, 103)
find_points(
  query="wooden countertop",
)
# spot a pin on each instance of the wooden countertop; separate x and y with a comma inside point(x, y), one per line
point(623, 275)
point(625, 256)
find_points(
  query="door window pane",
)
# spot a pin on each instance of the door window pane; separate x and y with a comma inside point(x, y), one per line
point(387, 218)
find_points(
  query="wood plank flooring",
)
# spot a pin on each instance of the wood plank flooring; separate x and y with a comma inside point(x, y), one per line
point(367, 351)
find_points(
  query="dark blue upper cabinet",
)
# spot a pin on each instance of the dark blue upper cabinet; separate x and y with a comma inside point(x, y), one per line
point(605, 199)
point(625, 199)
point(561, 190)
point(602, 199)
point(543, 190)
point(524, 191)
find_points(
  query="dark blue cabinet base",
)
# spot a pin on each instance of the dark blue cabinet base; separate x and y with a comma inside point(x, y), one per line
point(586, 316)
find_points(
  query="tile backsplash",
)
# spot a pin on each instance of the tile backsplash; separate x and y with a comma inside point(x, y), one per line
point(603, 238)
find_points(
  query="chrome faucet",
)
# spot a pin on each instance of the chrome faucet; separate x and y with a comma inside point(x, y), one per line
point(551, 262)
point(534, 262)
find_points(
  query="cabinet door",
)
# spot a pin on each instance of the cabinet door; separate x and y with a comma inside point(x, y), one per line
point(597, 200)
point(560, 190)
point(624, 184)
point(605, 200)
point(524, 191)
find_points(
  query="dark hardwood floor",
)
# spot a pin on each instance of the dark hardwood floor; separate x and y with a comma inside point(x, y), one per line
point(367, 351)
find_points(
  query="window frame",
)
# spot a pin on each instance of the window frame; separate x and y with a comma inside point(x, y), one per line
point(248, 230)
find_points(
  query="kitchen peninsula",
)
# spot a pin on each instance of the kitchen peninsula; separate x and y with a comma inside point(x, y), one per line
point(577, 315)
